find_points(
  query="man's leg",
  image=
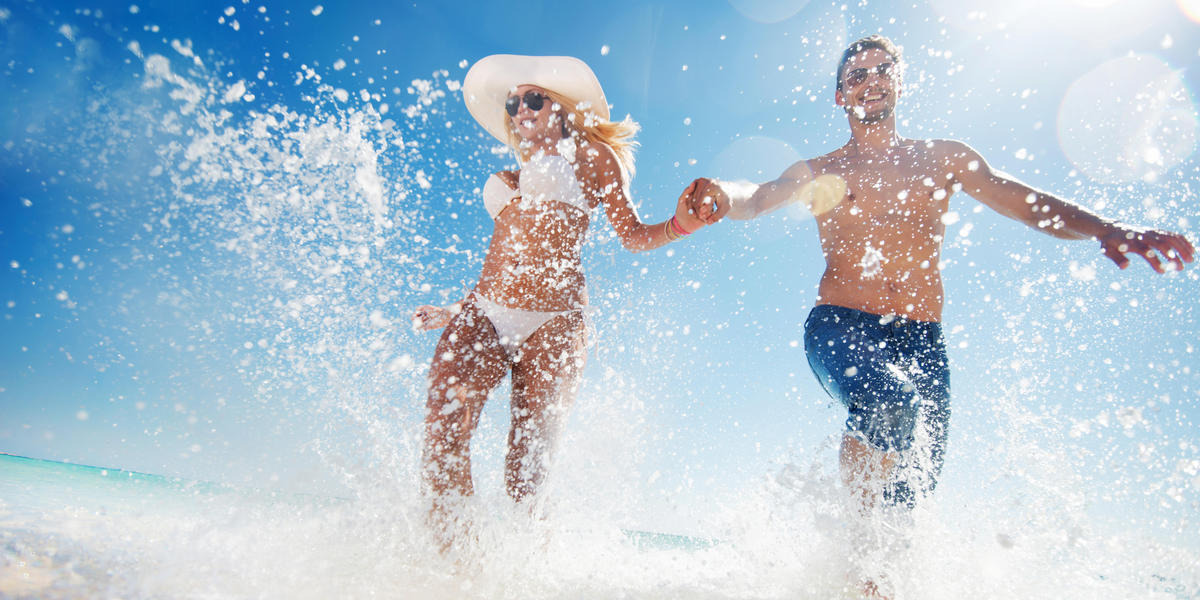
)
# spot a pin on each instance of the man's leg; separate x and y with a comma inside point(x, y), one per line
point(865, 471)
point(852, 356)
point(927, 368)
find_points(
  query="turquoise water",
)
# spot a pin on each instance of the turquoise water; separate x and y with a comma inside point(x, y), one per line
point(31, 488)
point(79, 531)
point(34, 485)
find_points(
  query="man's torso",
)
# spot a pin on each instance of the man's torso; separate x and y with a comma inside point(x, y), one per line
point(882, 242)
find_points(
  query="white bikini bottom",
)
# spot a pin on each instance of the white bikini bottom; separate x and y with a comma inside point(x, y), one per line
point(514, 325)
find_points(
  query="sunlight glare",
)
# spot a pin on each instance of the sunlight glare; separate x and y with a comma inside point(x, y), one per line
point(1131, 118)
point(1190, 8)
point(757, 158)
point(768, 11)
point(980, 16)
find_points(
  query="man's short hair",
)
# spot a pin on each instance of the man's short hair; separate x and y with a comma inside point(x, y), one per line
point(875, 41)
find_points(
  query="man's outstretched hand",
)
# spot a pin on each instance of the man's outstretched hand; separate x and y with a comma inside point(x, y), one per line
point(1158, 247)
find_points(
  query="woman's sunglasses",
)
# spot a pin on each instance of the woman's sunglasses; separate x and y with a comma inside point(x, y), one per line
point(533, 100)
point(855, 77)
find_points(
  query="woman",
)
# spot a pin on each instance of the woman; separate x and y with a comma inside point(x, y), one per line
point(525, 316)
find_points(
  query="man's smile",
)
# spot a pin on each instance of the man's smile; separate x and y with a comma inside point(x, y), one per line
point(873, 96)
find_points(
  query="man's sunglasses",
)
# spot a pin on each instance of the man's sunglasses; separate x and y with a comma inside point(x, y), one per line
point(855, 77)
point(533, 100)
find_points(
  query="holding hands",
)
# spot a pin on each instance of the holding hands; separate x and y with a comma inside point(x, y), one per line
point(707, 201)
point(686, 216)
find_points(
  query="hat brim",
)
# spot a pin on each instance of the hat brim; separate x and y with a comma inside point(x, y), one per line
point(490, 81)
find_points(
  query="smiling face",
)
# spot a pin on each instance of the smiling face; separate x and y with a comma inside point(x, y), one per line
point(870, 86)
point(541, 125)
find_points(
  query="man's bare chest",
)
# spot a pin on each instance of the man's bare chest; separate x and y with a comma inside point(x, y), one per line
point(892, 192)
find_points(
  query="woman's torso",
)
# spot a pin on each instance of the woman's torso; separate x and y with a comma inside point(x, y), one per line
point(534, 260)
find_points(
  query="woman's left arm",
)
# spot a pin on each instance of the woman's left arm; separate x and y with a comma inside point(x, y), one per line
point(603, 180)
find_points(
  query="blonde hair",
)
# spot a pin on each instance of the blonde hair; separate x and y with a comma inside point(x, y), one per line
point(586, 127)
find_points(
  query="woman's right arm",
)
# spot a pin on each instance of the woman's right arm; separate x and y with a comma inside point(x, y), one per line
point(428, 317)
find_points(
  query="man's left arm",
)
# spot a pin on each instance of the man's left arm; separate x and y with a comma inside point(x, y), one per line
point(1060, 218)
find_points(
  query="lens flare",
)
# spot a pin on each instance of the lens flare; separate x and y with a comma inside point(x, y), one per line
point(757, 158)
point(981, 16)
point(1191, 8)
point(768, 11)
point(1131, 118)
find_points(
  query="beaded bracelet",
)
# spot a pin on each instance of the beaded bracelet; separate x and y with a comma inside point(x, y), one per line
point(671, 235)
point(674, 230)
point(679, 228)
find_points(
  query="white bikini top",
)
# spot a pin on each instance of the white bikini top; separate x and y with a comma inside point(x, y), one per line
point(544, 177)
point(497, 195)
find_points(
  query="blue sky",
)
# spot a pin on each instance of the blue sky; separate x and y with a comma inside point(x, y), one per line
point(146, 320)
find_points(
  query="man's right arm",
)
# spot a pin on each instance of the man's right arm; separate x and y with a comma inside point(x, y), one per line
point(742, 200)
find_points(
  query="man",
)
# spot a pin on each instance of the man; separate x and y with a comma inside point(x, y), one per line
point(874, 339)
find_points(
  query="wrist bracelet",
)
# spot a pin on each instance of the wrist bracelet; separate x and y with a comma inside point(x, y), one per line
point(671, 235)
point(678, 228)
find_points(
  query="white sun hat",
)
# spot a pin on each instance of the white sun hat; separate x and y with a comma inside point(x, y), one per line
point(491, 80)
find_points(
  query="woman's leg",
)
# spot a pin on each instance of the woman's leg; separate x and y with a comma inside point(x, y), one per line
point(546, 377)
point(468, 363)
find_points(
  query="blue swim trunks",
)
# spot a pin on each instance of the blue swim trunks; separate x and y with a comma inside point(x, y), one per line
point(891, 373)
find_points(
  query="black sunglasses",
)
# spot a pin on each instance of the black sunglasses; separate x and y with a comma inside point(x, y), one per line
point(855, 77)
point(533, 100)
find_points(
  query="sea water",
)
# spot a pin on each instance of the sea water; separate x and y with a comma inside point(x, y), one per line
point(227, 249)
point(75, 531)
